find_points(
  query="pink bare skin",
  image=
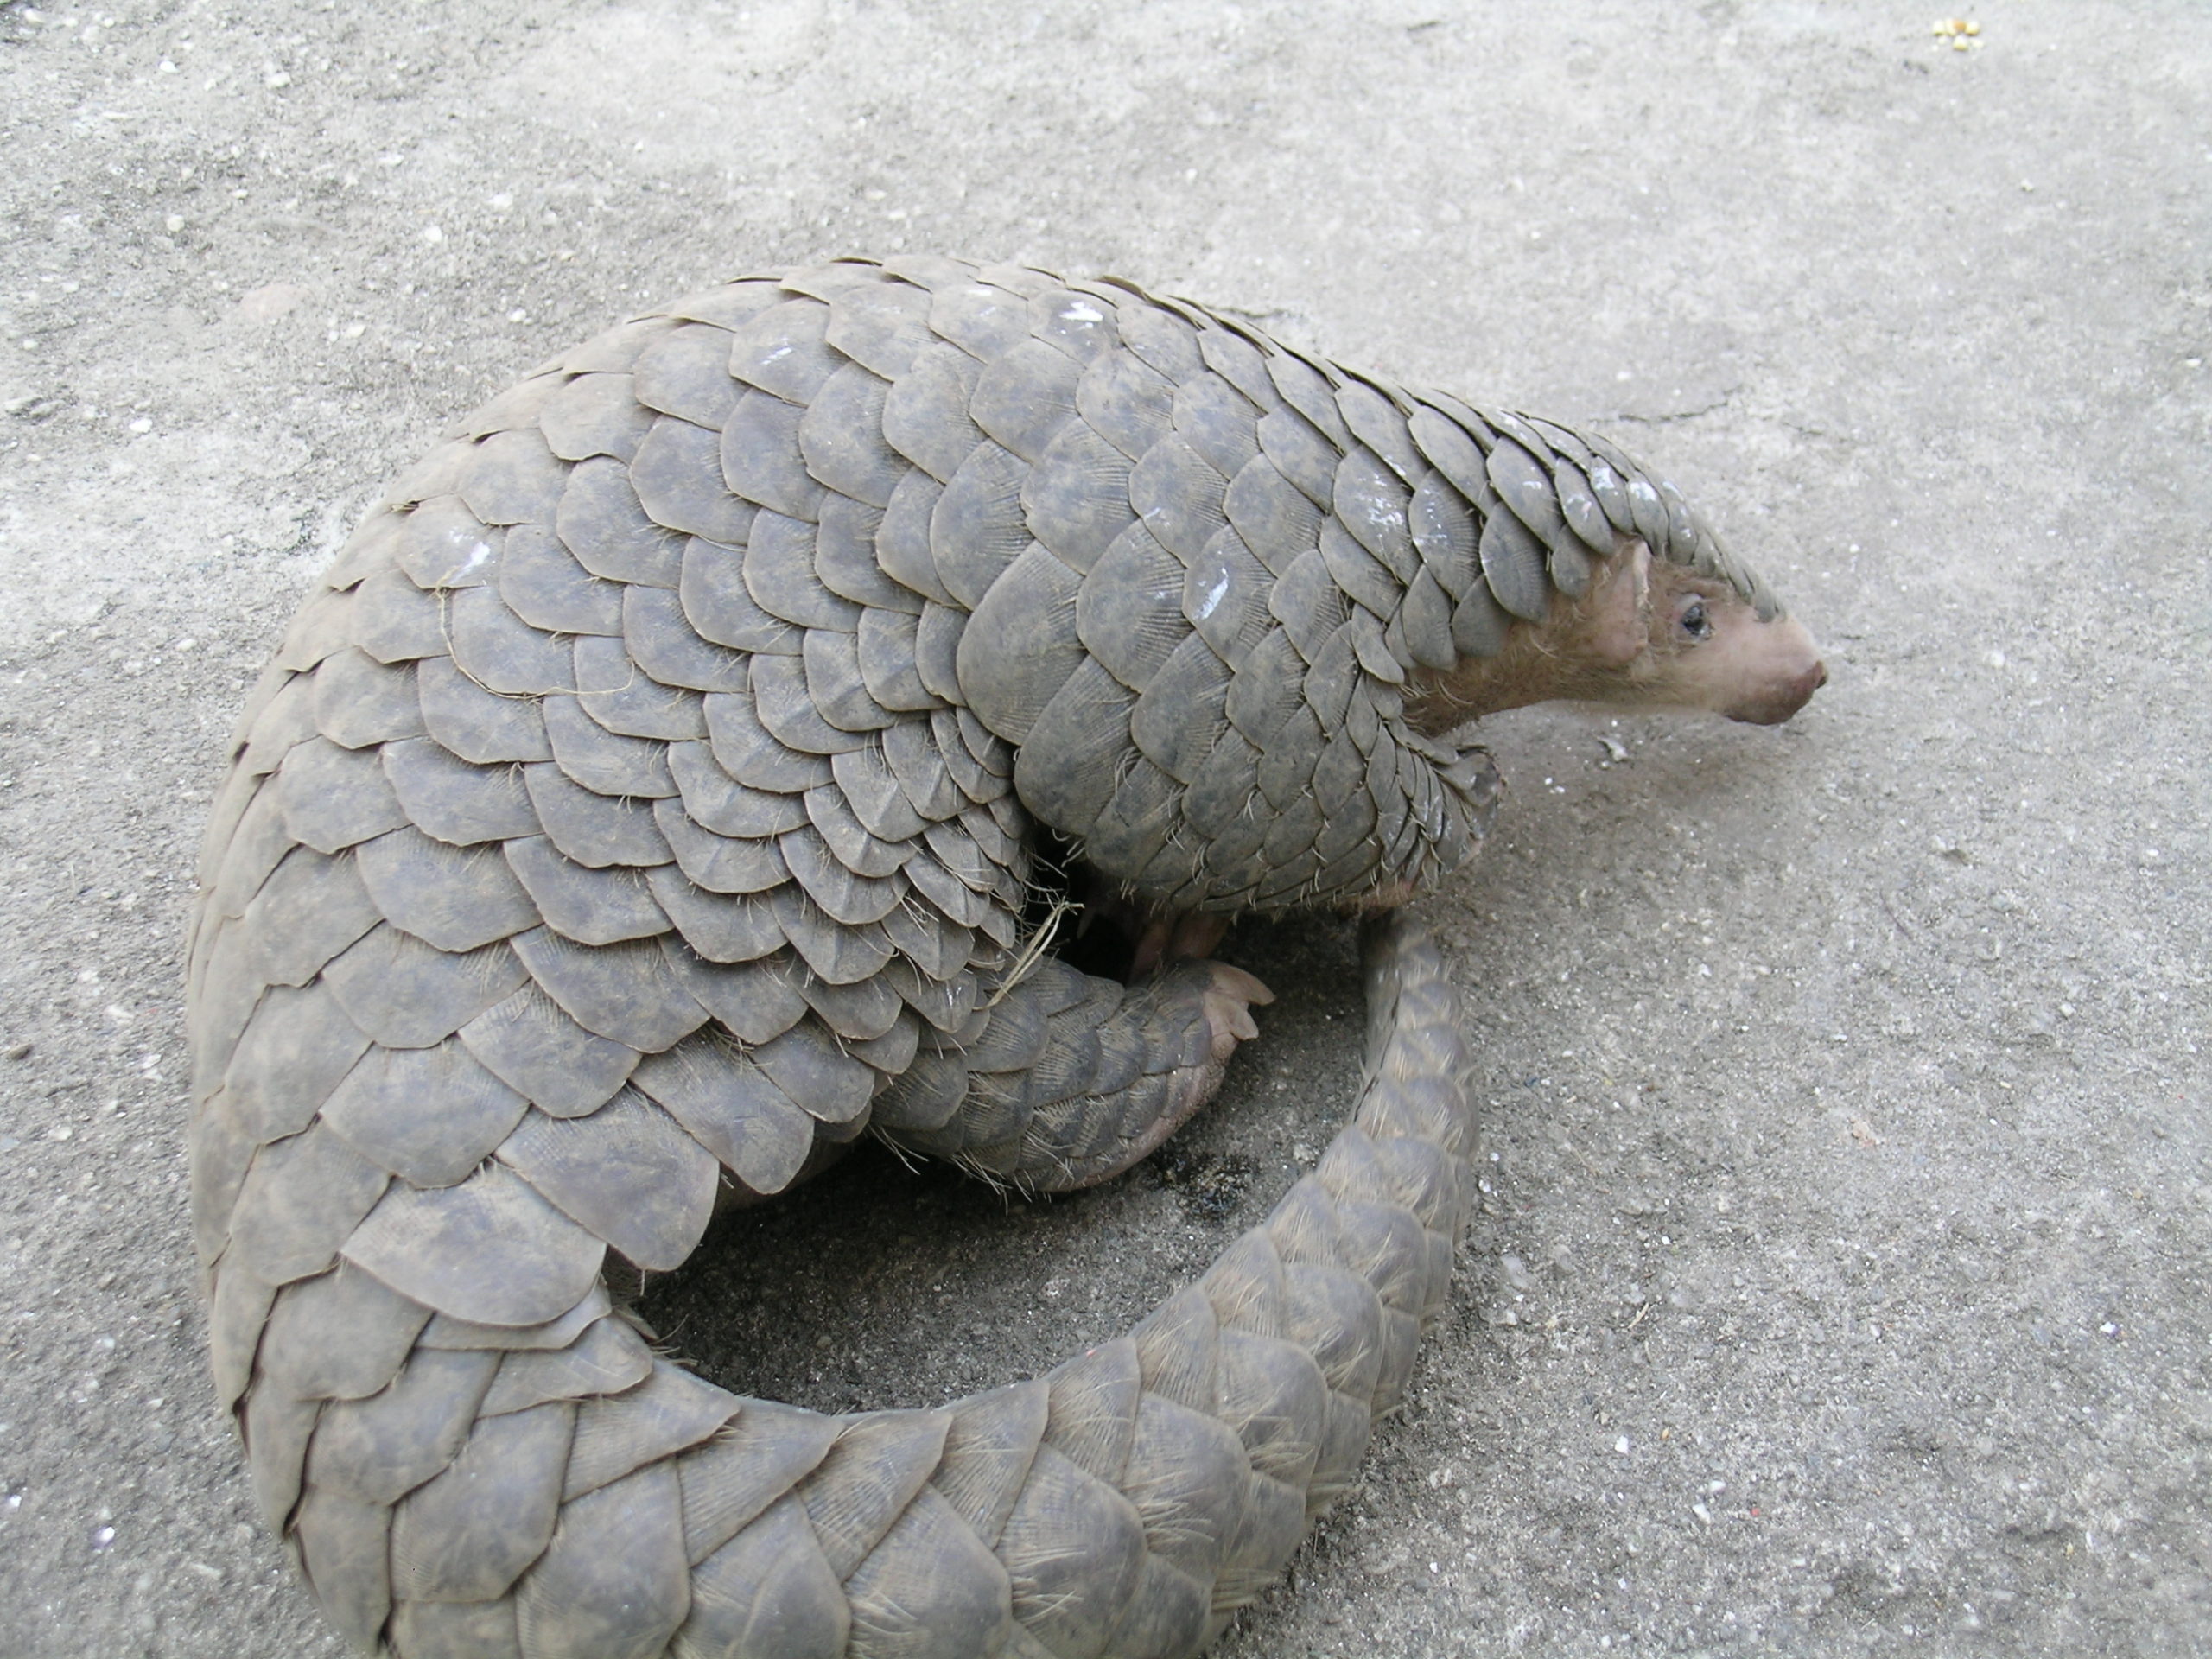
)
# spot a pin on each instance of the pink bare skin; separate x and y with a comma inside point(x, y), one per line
point(1648, 634)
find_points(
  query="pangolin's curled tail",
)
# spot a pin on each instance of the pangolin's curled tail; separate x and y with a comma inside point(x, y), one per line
point(558, 1491)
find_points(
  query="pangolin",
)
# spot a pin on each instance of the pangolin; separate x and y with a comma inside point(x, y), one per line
point(667, 785)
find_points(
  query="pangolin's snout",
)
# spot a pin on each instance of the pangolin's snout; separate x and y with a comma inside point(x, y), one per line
point(1782, 699)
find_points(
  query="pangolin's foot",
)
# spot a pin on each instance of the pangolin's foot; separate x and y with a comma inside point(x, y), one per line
point(1226, 999)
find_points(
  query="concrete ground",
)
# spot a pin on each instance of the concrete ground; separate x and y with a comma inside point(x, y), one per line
point(1841, 1280)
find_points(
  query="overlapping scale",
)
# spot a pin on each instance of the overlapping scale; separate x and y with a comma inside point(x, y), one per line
point(648, 792)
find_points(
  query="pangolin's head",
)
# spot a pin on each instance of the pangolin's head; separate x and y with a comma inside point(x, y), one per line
point(1704, 644)
point(1647, 633)
point(1595, 581)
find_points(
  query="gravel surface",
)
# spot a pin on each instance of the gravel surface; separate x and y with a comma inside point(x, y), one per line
point(1842, 1277)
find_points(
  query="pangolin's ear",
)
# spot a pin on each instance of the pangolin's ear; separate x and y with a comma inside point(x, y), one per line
point(1620, 613)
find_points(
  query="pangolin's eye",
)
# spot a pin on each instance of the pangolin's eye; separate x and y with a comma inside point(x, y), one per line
point(1695, 623)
